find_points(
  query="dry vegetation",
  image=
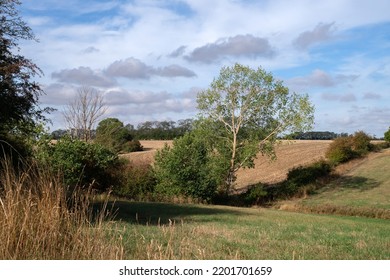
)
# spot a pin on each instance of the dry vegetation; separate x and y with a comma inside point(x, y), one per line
point(38, 220)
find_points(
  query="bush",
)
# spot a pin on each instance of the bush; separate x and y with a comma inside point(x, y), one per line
point(255, 194)
point(340, 150)
point(185, 169)
point(137, 181)
point(361, 143)
point(132, 146)
point(387, 136)
point(81, 163)
point(300, 180)
point(114, 136)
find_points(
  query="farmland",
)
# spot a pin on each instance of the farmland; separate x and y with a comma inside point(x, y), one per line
point(289, 154)
point(188, 231)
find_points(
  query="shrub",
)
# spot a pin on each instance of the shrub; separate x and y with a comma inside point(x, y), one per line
point(81, 163)
point(340, 150)
point(387, 136)
point(300, 180)
point(255, 194)
point(361, 143)
point(113, 135)
point(185, 169)
point(132, 146)
point(136, 181)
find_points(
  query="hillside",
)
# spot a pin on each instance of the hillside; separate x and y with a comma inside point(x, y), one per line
point(289, 154)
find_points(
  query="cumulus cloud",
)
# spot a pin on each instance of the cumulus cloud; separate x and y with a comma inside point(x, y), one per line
point(371, 95)
point(148, 102)
point(83, 76)
point(347, 97)
point(322, 32)
point(320, 78)
point(133, 68)
point(174, 71)
point(237, 46)
point(90, 50)
point(178, 52)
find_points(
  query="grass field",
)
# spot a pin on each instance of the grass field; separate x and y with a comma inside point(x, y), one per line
point(182, 231)
point(363, 189)
point(168, 231)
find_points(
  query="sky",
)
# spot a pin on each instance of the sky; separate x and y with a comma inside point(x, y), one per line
point(150, 58)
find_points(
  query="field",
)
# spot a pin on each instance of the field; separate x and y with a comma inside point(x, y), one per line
point(184, 231)
point(289, 154)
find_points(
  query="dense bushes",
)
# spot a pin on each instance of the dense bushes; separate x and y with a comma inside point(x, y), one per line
point(387, 136)
point(344, 149)
point(113, 135)
point(81, 163)
point(135, 181)
point(185, 169)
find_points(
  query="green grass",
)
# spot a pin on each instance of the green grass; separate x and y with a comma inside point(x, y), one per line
point(169, 231)
point(366, 188)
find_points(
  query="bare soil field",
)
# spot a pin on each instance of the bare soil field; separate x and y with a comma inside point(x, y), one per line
point(289, 154)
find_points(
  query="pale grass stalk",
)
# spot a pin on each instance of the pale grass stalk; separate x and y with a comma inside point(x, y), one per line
point(38, 220)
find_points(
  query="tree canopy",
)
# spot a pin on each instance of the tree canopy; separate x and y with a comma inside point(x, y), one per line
point(244, 111)
point(18, 93)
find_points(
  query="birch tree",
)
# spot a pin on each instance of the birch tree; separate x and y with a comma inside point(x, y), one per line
point(243, 112)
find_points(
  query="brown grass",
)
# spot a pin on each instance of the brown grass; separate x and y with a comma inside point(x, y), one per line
point(38, 220)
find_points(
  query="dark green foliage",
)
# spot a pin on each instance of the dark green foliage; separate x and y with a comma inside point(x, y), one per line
point(81, 163)
point(304, 175)
point(387, 136)
point(186, 169)
point(132, 146)
point(113, 135)
point(255, 195)
point(18, 93)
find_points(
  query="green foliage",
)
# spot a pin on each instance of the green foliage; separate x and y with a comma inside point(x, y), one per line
point(245, 110)
point(361, 143)
point(387, 136)
point(81, 163)
point(340, 150)
point(344, 149)
point(186, 169)
point(255, 194)
point(136, 181)
point(113, 135)
point(18, 94)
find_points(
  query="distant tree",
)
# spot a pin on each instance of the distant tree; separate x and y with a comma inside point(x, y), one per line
point(112, 134)
point(82, 114)
point(387, 135)
point(245, 110)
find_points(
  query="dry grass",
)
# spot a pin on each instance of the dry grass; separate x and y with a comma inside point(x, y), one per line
point(39, 221)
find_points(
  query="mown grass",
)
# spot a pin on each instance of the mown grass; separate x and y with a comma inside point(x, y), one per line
point(362, 191)
point(168, 231)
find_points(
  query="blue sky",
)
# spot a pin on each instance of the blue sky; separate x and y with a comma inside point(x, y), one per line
point(150, 58)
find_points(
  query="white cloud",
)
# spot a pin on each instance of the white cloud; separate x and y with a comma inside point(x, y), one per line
point(237, 46)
